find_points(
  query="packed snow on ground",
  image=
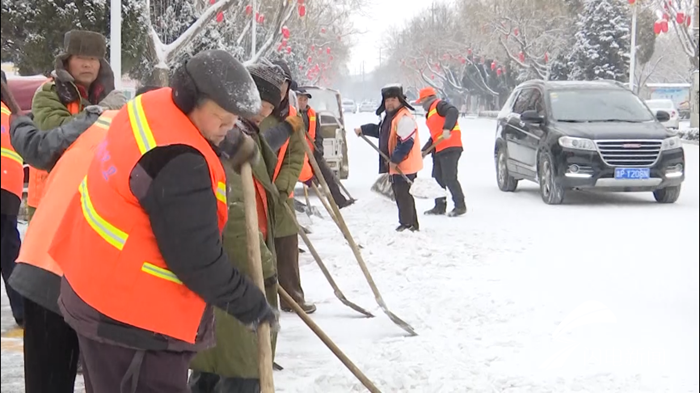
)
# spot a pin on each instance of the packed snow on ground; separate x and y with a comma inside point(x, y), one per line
point(598, 295)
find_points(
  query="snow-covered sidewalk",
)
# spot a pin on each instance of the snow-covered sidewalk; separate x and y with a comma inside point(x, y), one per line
point(598, 295)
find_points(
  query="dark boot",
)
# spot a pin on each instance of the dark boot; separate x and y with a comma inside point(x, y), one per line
point(308, 308)
point(439, 209)
point(460, 209)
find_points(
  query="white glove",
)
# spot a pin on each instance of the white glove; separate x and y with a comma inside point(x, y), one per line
point(446, 134)
point(358, 131)
point(114, 100)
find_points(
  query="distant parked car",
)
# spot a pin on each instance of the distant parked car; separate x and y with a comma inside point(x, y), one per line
point(666, 106)
point(586, 135)
point(349, 106)
point(368, 106)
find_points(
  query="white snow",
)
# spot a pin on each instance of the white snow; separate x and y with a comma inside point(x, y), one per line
point(598, 295)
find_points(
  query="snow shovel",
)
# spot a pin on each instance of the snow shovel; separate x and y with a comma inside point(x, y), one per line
point(267, 384)
point(329, 343)
point(355, 249)
point(383, 183)
point(310, 210)
point(336, 290)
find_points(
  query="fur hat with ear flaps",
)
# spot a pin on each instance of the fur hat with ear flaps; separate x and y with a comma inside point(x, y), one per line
point(88, 44)
point(392, 91)
point(218, 76)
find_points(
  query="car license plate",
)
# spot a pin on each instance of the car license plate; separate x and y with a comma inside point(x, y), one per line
point(632, 173)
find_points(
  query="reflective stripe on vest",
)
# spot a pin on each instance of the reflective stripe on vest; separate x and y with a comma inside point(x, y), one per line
point(60, 188)
point(413, 162)
point(11, 162)
point(435, 124)
point(105, 244)
point(307, 170)
point(283, 151)
point(37, 178)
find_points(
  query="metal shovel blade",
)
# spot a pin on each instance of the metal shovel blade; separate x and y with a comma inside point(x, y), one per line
point(382, 186)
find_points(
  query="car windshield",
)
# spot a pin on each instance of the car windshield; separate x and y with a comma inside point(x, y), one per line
point(598, 105)
point(324, 101)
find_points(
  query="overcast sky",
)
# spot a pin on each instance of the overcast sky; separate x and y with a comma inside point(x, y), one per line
point(378, 17)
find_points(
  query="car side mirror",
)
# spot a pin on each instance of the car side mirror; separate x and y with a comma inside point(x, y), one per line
point(663, 116)
point(532, 116)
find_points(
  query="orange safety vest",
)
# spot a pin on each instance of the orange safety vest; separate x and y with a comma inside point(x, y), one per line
point(105, 244)
point(61, 184)
point(435, 124)
point(37, 178)
point(283, 150)
point(413, 162)
point(307, 171)
point(12, 164)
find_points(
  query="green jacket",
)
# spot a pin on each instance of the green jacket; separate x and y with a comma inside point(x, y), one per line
point(50, 103)
point(287, 179)
point(235, 354)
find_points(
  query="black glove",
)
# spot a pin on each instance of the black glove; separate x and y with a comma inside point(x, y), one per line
point(239, 148)
point(269, 315)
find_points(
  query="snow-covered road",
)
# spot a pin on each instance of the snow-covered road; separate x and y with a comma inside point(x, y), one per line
point(598, 295)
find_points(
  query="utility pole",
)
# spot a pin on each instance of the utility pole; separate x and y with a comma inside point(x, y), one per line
point(694, 99)
point(115, 41)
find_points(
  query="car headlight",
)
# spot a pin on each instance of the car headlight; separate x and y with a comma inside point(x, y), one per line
point(671, 143)
point(577, 143)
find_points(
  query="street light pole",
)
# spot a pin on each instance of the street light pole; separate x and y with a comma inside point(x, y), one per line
point(115, 41)
point(633, 45)
point(254, 29)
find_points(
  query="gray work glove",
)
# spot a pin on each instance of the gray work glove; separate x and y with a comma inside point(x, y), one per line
point(115, 100)
point(446, 134)
point(238, 148)
point(268, 315)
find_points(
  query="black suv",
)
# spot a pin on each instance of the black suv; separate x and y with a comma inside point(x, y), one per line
point(569, 135)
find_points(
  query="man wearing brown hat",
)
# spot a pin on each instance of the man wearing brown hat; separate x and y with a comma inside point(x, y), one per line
point(81, 77)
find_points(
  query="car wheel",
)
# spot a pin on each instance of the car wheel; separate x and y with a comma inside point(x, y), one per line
point(550, 189)
point(506, 182)
point(668, 194)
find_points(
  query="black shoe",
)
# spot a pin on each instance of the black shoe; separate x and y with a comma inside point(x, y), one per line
point(308, 308)
point(402, 228)
point(347, 203)
point(457, 211)
point(414, 228)
point(277, 367)
point(439, 209)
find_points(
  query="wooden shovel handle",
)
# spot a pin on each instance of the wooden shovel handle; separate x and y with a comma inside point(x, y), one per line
point(267, 384)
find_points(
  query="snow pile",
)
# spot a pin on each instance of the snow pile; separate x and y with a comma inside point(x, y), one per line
point(689, 134)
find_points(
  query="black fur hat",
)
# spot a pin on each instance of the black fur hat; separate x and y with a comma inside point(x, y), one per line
point(393, 91)
point(84, 43)
point(216, 75)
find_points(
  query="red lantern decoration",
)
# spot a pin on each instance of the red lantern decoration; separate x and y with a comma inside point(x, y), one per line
point(469, 52)
point(300, 2)
point(657, 27)
point(289, 49)
point(493, 65)
point(301, 67)
point(665, 17)
point(631, 1)
point(284, 43)
point(219, 17)
point(248, 9)
point(432, 76)
point(499, 72)
point(664, 26)
point(309, 60)
point(280, 47)
point(516, 32)
point(687, 20)
point(313, 48)
point(302, 10)
point(285, 32)
point(328, 50)
point(546, 57)
point(463, 61)
point(680, 18)
point(323, 30)
point(261, 19)
point(521, 57)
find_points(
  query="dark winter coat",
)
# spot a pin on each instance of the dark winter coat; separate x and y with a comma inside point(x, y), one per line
point(287, 178)
point(235, 354)
point(50, 102)
point(173, 186)
point(42, 150)
point(382, 131)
